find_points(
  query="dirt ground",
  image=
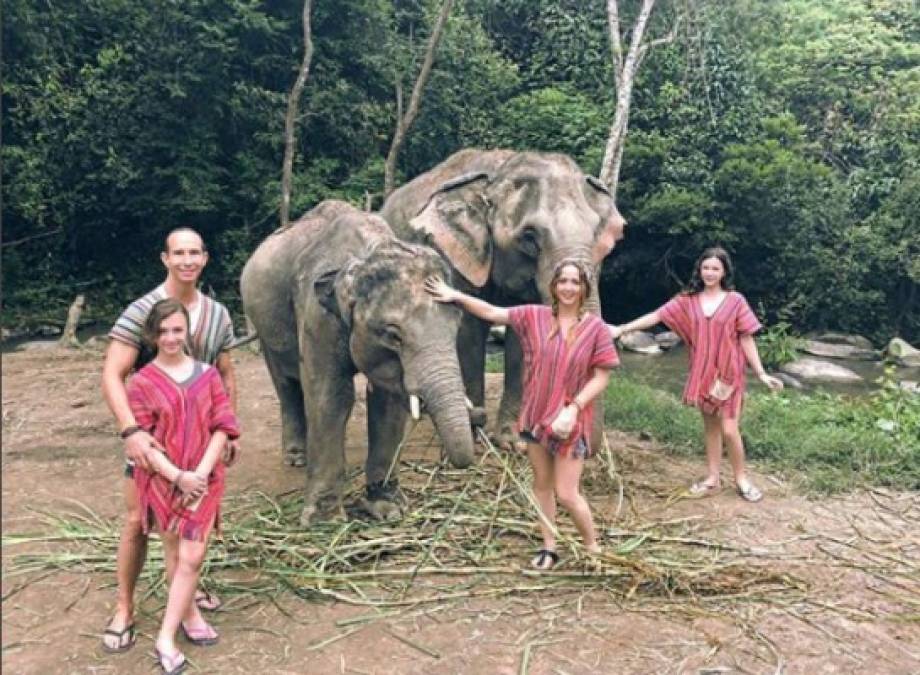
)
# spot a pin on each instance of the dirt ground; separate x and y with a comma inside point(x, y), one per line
point(855, 558)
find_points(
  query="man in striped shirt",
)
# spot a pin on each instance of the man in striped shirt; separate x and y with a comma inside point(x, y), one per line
point(210, 336)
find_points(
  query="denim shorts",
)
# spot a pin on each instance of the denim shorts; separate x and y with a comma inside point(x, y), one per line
point(580, 451)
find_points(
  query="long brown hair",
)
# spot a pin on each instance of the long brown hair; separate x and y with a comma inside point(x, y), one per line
point(728, 279)
point(584, 280)
point(160, 311)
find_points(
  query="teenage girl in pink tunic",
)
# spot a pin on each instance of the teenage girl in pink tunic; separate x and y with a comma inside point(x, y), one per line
point(717, 325)
point(567, 359)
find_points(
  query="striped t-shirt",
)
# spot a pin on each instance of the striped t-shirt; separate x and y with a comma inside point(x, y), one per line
point(211, 331)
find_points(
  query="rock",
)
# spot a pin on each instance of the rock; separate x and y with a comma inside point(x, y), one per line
point(47, 331)
point(815, 370)
point(839, 351)
point(789, 381)
point(640, 341)
point(903, 353)
point(910, 385)
point(37, 345)
point(497, 333)
point(843, 339)
point(667, 340)
point(12, 333)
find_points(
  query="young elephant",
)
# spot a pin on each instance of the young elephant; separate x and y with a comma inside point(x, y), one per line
point(335, 294)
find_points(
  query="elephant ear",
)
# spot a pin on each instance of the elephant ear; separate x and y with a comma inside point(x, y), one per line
point(333, 290)
point(611, 229)
point(456, 221)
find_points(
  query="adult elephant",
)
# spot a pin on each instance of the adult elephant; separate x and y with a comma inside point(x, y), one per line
point(504, 219)
point(335, 294)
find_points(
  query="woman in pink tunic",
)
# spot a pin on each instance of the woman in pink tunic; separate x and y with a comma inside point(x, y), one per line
point(568, 354)
point(181, 402)
point(717, 325)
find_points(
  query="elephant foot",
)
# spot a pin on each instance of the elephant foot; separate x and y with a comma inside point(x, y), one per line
point(295, 457)
point(380, 500)
point(506, 438)
point(323, 510)
point(382, 509)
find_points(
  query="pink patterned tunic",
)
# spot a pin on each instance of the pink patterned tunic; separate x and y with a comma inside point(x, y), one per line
point(182, 418)
point(554, 372)
point(714, 347)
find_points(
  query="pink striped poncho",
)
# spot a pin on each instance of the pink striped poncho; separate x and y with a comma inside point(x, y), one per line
point(555, 371)
point(182, 418)
point(714, 347)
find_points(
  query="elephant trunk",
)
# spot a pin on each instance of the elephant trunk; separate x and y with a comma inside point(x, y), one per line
point(440, 386)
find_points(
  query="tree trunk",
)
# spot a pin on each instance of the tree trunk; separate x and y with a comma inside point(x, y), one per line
point(403, 122)
point(290, 117)
point(69, 336)
point(624, 75)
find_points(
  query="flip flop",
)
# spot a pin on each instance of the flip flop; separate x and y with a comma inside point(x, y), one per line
point(749, 492)
point(703, 489)
point(207, 602)
point(539, 560)
point(120, 635)
point(168, 662)
point(202, 636)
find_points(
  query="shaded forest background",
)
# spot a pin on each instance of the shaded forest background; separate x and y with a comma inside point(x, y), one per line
point(787, 131)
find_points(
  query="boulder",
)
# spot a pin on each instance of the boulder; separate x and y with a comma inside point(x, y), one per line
point(816, 370)
point(667, 340)
point(903, 353)
point(789, 381)
point(640, 341)
point(910, 385)
point(843, 339)
point(839, 351)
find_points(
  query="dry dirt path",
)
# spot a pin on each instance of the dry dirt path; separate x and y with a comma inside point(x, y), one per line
point(853, 559)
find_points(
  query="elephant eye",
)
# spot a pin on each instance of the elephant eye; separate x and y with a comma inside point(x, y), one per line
point(391, 334)
point(529, 242)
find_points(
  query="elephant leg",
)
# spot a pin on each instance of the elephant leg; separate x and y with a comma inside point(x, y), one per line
point(293, 418)
point(471, 350)
point(329, 400)
point(510, 407)
point(386, 423)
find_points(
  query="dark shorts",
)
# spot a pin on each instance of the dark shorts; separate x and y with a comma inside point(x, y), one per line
point(580, 451)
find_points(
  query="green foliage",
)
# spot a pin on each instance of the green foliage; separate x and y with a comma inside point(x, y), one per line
point(827, 443)
point(778, 345)
point(787, 132)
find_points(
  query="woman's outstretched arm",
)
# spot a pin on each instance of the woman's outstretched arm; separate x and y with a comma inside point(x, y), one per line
point(647, 321)
point(441, 292)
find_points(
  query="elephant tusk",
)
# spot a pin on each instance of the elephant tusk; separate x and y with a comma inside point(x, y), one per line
point(415, 407)
point(469, 403)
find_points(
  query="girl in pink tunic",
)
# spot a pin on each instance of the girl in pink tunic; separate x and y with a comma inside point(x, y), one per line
point(568, 354)
point(181, 402)
point(717, 325)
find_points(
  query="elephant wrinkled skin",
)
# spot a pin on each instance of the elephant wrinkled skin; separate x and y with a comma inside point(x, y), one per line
point(335, 294)
point(504, 219)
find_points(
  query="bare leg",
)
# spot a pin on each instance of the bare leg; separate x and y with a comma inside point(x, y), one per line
point(712, 429)
point(567, 471)
point(732, 436)
point(187, 558)
point(542, 463)
point(132, 552)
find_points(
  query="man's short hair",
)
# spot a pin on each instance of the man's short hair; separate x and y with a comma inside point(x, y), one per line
point(177, 230)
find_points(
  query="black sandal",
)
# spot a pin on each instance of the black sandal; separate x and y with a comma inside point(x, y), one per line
point(539, 560)
point(120, 635)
